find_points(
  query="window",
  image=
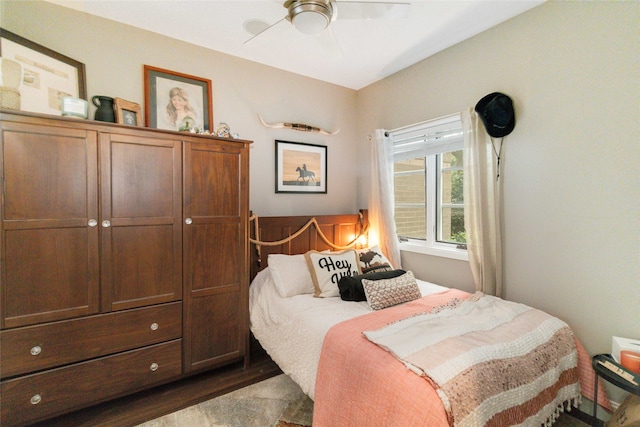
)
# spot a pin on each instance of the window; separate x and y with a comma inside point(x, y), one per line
point(450, 201)
point(428, 187)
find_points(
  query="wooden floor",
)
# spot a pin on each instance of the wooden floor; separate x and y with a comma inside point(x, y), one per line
point(147, 405)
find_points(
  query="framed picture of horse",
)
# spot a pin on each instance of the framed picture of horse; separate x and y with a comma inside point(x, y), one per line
point(301, 167)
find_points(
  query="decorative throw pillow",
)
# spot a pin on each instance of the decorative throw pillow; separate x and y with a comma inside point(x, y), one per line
point(385, 293)
point(290, 274)
point(327, 269)
point(373, 258)
point(351, 286)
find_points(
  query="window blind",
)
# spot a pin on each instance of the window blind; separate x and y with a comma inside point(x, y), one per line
point(427, 138)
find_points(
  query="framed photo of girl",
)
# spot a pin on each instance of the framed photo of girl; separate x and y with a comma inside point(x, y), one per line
point(177, 101)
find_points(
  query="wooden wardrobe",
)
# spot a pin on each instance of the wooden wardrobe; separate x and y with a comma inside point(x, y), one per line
point(124, 260)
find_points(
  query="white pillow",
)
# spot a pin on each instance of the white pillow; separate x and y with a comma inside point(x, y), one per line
point(290, 274)
point(372, 257)
point(327, 269)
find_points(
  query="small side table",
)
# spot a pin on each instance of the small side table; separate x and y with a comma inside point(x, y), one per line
point(606, 367)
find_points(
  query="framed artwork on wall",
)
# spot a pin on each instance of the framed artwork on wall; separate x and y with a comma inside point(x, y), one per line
point(47, 76)
point(301, 167)
point(127, 113)
point(177, 101)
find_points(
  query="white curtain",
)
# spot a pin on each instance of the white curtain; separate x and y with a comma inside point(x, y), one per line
point(482, 205)
point(381, 204)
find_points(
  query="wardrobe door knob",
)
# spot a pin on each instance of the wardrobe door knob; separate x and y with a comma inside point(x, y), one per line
point(188, 221)
point(92, 222)
point(106, 223)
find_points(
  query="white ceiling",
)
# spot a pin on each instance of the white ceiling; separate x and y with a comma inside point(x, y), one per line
point(372, 49)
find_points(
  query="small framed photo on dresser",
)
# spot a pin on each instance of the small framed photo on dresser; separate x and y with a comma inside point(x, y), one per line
point(127, 113)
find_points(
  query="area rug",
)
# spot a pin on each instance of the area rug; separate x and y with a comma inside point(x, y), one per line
point(276, 402)
point(299, 413)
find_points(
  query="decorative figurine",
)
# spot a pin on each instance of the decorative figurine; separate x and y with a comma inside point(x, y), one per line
point(223, 131)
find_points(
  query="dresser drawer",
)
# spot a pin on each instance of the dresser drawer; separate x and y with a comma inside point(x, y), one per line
point(40, 396)
point(35, 348)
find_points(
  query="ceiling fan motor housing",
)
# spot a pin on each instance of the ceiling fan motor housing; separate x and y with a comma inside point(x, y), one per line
point(309, 16)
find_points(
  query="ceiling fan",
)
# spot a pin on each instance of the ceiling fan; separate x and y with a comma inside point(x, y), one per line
point(313, 17)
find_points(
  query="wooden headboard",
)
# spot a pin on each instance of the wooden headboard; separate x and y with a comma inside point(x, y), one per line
point(339, 229)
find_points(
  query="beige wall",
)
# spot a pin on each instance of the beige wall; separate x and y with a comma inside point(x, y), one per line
point(114, 55)
point(572, 229)
point(571, 166)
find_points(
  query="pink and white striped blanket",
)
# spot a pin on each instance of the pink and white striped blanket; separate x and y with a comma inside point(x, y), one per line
point(361, 384)
point(524, 360)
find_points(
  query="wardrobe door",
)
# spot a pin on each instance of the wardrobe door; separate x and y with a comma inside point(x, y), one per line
point(215, 253)
point(49, 224)
point(141, 213)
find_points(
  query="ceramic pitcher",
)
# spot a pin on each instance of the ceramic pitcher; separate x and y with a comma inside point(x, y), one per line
point(105, 112)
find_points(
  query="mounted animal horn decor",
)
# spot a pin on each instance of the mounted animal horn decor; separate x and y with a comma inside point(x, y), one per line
point(297, 126)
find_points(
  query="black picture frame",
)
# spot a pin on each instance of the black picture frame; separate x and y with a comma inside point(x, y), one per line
point(48, 75)
point(300, 168)
point(159, 84)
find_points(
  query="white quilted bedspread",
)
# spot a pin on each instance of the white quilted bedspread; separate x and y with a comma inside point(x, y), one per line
point(292, 330)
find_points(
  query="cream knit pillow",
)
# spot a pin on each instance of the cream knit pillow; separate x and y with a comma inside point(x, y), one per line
point(385, 293)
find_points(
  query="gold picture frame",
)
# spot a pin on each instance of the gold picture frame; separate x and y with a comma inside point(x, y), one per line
point(127, 112)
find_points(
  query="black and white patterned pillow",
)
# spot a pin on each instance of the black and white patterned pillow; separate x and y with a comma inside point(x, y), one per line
point(386, 293)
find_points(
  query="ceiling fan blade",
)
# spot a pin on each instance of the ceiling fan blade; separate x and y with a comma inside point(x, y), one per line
point(370, 10)
point(329, 43)
point(264, 30)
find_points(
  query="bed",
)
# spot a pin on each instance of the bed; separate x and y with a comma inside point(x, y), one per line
point(325, 344)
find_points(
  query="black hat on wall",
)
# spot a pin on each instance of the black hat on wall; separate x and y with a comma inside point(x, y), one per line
point(496, 112)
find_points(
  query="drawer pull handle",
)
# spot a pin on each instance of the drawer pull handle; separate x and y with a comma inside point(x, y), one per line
point(36, 350)
point(154, 367)
point(154, 326)
point(35, 399)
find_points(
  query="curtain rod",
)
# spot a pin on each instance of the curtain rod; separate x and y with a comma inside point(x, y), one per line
point(443, 118)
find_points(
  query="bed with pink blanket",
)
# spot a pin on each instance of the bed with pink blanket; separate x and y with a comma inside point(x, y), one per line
point(445, 358)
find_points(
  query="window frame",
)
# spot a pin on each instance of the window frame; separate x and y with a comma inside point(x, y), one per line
point(439, 205)
point(430, 245)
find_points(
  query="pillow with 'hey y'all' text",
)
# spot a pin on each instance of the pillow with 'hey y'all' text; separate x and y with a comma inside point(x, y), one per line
point(327, 268)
